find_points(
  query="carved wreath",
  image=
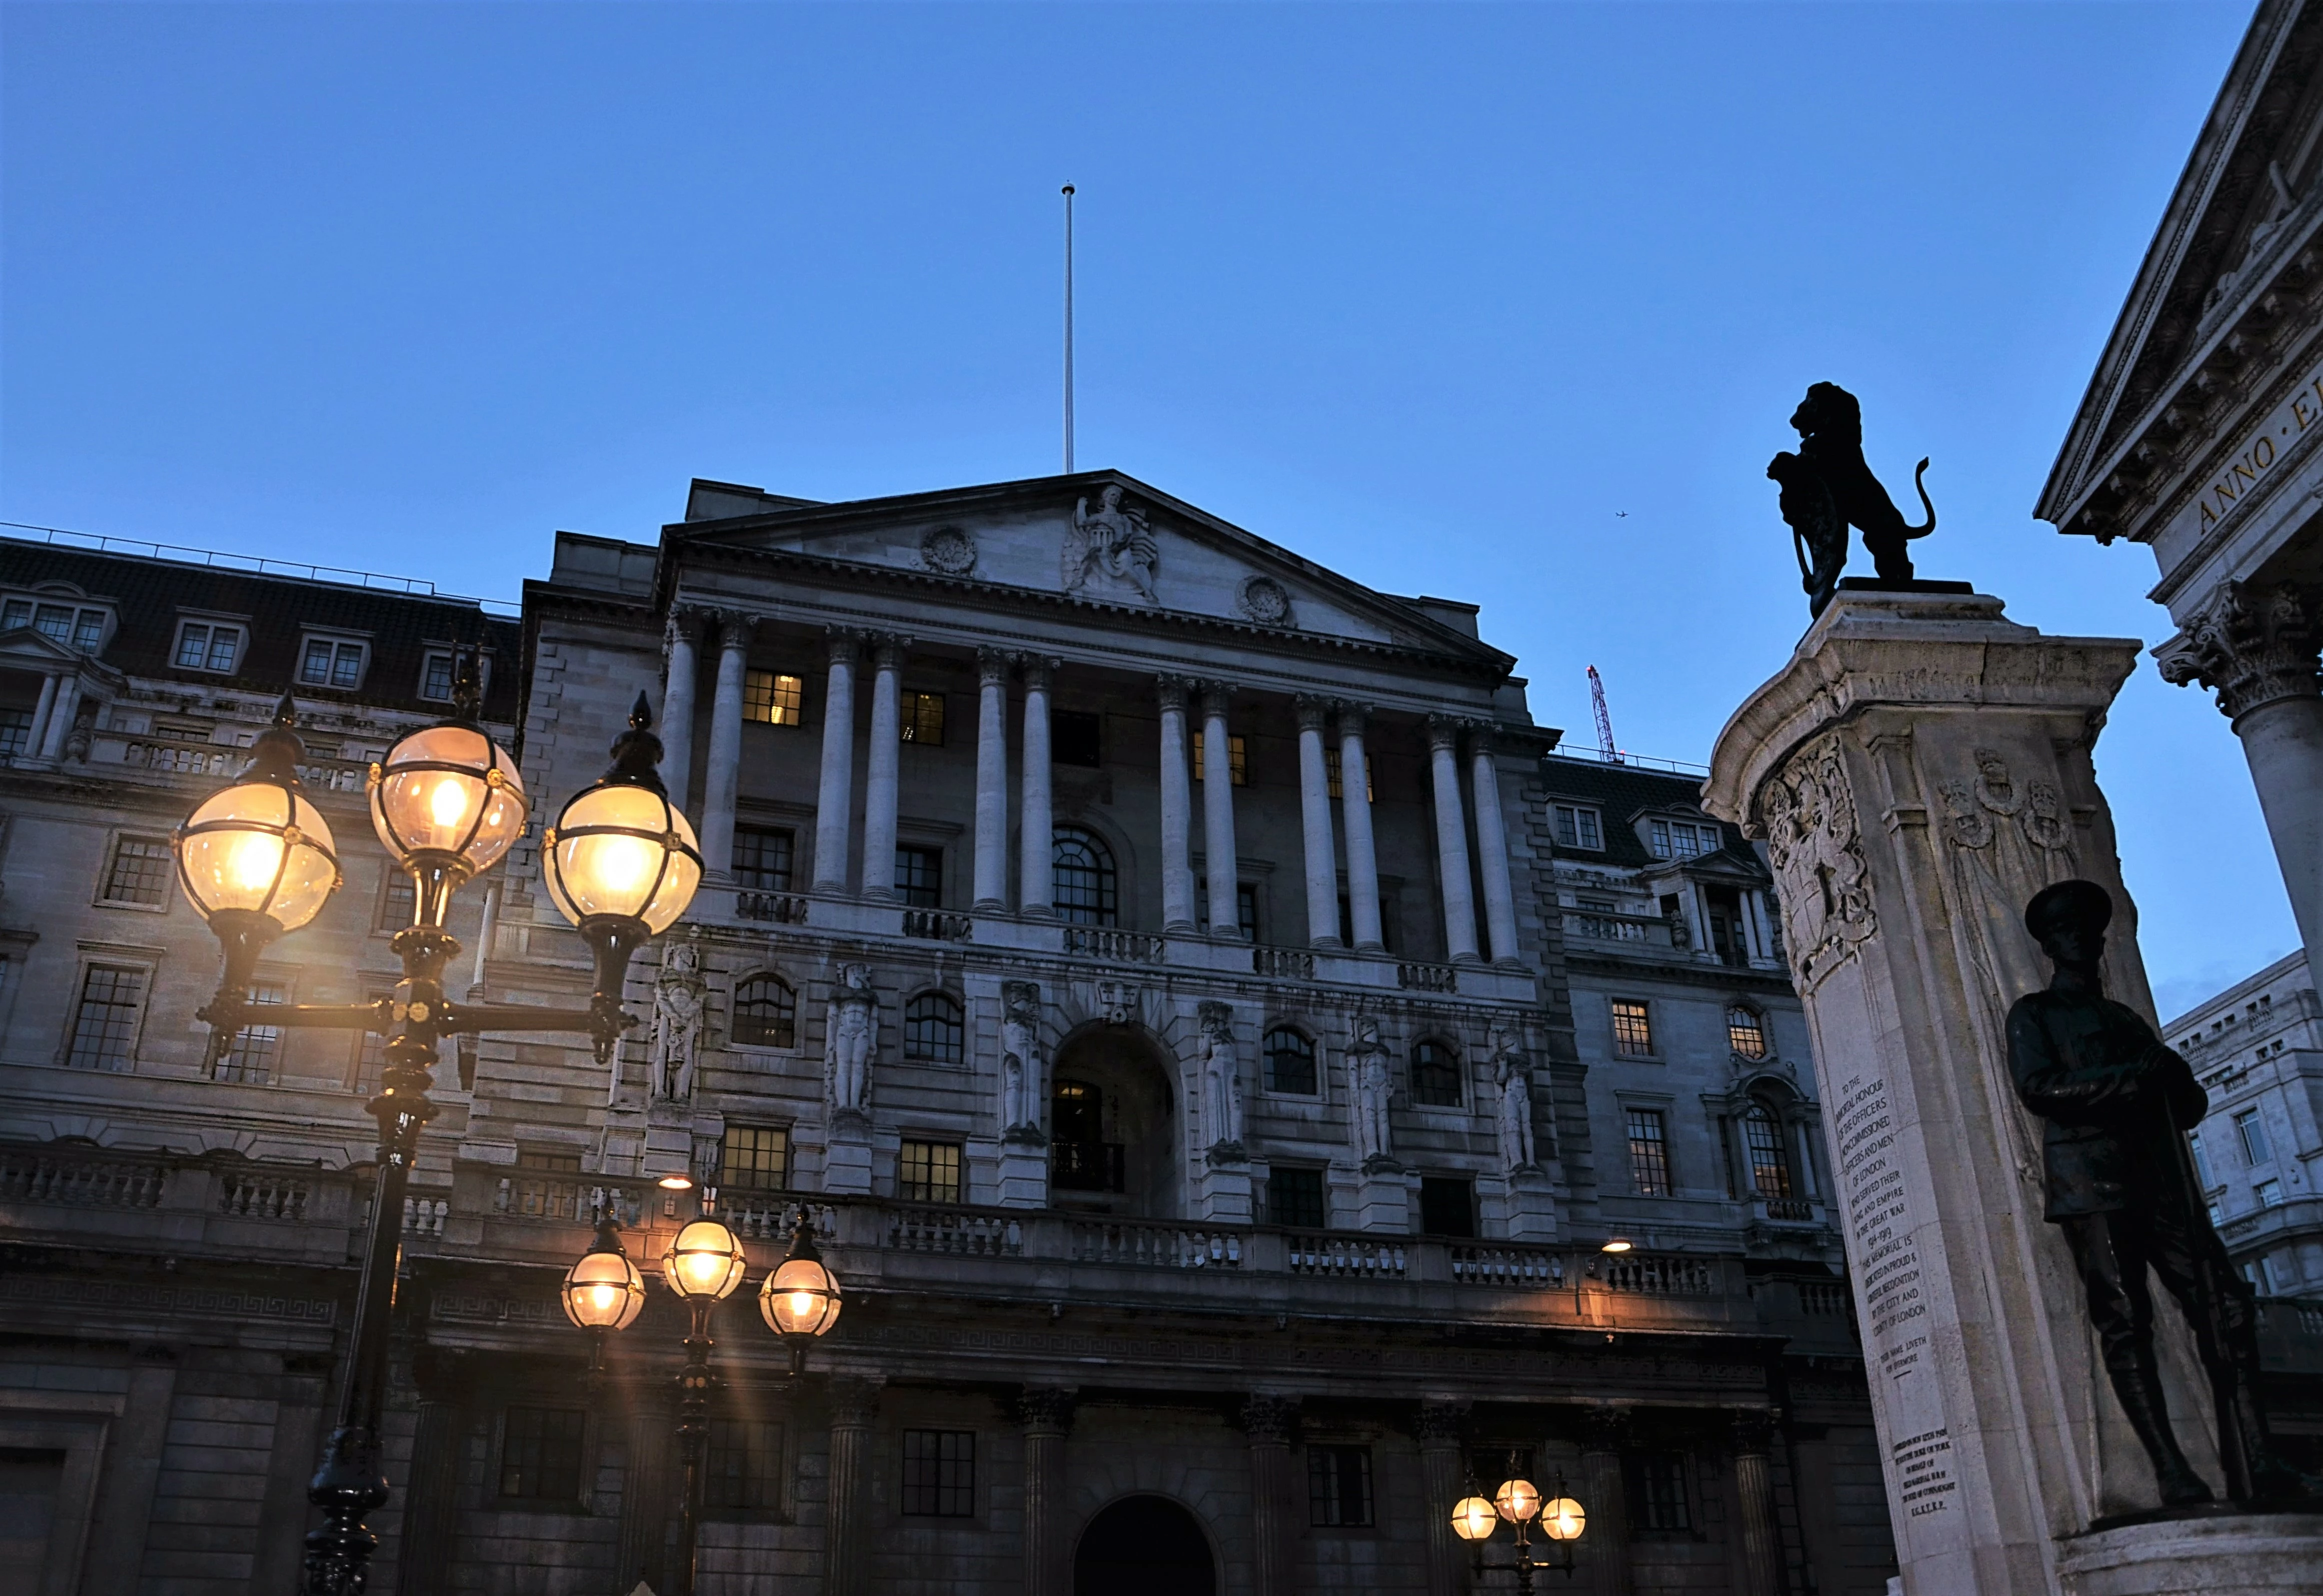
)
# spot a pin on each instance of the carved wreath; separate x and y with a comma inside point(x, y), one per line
point(1264, 600)
point(950, 550)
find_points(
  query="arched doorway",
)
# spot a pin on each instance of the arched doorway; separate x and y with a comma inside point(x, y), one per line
point(1113, 1137)
point(1144, 1545)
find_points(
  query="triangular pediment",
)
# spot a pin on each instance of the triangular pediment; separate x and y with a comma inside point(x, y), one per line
point(24, 646)
point(1099, 537)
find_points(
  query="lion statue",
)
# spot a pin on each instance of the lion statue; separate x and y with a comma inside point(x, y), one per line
point(1827, 488)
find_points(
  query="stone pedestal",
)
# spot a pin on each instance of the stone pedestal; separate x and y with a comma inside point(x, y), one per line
point(847, 1155)
point(2233, 1555)
point(1521, 1208)
point(1222, 1195)
point(1023, 1173)
point(1919, 770)
point(1383, 1198)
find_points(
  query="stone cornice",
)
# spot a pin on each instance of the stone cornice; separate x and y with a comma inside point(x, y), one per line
point(1726, 977)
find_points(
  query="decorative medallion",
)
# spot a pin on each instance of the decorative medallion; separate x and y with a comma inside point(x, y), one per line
point(1263, 600)
point(950, 550)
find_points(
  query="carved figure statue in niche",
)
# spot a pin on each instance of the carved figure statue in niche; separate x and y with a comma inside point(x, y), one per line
point(1513, 1073)
point(1369, 1086)
point(1111, 544)
point(1221, 1077)
point(1827, 487)
point(2122, 1187)
point(851, 1034)
point(679, 1001)
point(1020, 1069)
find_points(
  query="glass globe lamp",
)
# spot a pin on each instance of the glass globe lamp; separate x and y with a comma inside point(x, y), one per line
point(704, 1262)
point(1563, 1519)
point(1473, 1519)
point(604, 1291)
point(447, 803)
point(801, 1298)
point(1518, 1501)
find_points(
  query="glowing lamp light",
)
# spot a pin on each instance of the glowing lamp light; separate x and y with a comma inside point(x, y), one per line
point(1563, 1519)
point(1616, 1245)
point(1473, 1519)
point(676, 1181)
point(448, 796)
point(706, 1262)
point(1518, 1501)
point(604, 1290)
point(258, 851)
point(801, 1299)
point(622, 852)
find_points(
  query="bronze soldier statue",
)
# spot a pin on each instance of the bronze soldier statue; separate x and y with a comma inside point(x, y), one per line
point(2121, 1184)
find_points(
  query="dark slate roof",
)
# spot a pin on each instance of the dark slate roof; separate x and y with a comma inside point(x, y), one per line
point(150, 594)
point(1619, 793)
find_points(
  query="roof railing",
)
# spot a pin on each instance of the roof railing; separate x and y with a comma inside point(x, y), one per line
point(415, 587)
point(1627, 761)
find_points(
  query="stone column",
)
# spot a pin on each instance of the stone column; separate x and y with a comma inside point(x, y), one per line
point(131, 1466)
point(1315, 828)
point(847, 1527)
point(36, 734)
point(1355, 812)
point(991, 781)
point(1267, 1423)
point(1220, 867)
point(1493, 848)
point(1441, 1478)
point(1036, 841)
point(676, 723)
point(60, 717)
point(1605, 1541)
point(1760, 1534)
point(1047, 1415)
point(1177, 809)
point(2256, 648)
point(431, 1503)
point(1451, 840)
point(720, 781)
point(1919, 768)
point(879, 782)
point(834, 800)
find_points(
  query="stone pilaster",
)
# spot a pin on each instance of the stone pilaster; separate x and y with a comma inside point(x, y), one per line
point(846, 1531)
point(1441, 1428)
point(1759, 1532)
point(1605, 1542)
point(1046, 1414)
point(1268, 1425)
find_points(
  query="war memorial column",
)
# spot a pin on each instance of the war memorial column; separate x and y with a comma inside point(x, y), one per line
point(719, 782)
point(835, 793)
point(991, 781)
point(1355, 813)
point(1451, 840)
point(1177, 809)
point(880, 779)
point(1315, 828)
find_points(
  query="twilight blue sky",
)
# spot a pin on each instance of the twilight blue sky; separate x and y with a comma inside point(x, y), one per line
point(1507, 303)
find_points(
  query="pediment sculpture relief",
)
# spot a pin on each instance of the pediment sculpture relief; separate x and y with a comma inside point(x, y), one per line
point(1110, 551)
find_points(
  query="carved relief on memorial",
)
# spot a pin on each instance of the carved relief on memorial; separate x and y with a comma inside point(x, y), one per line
point(849, 1039)
point(1221, 1077)
point(1807, 811)
point(1110, 552)
point(680, 1002)
point(2003, 841)
point(1369, 1086)
point(1023, 1072)
point(2250, 644)
point(949, 549)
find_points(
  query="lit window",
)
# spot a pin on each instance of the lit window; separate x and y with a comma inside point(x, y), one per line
point(1294, 1197)
point(765, 1012)
point(918, 877)
point(1290, 1062)
point(1237, 760)
point(1660, 1495)
point(755, 1157)
point(923, 719)
point(1633, 1030)
point(743, 1467)
point(1331, 773)
point(1340, 1487)
point(1745, 1033)
point(1577, 827)
point(540, 1453)
point(2254, 1135)
point(771, 699)
point(205, 646)
point(933, 1029)
point(251, 1059)
point(940, 1473)
point(1435, 1075)
point(762, 858)
point(105, 1021)
point(1770, 1160)
point(327, 662)
point(1082, 883)
point(2269, 1194)
point(1648, 1152)
point(928, 1172)
point(140, 873)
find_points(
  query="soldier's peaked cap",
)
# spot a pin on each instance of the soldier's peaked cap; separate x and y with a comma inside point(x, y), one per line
point(2068, 901)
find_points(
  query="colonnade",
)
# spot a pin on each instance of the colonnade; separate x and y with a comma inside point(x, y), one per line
point(52, 716)
point(1176, 697)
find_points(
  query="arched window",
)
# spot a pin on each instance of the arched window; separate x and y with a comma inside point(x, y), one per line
point(932, 1029)
point(1290, 1062)
point(765, 1012)
point(1770, 1159)
point(1083, 883)
point(1080, 1157)
point(1746, 1032)
point(1435, 1075)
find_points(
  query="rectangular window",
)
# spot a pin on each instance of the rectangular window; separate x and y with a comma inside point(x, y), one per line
point(770, 699)
point(331, 664)
point(18, 612)
point(2217, 1215)
point(540, 1453)
point(54, 621)
point(1435, 1075)
point(2269, 1194)
point(538, 1197)
point(1331, 775)
point(436, 676)
point(1633, 1030)
point(251, 1059)
point(398, 907)
point(105, 1021)
point(139, 872)
point(1648, 1152)
point(1237, 760)
point(2201, 1158)
point(1294, 1197)
point(1660, 1495)
point(15, 731)
point(371, 1059)
point(762, 858)
point(1448, 1206)
point(744, 1465)
point(918, 877)
point(2253, 1136)
point(928, 1172)
point(203, 645)
point(923, 719)
point(1076, 738)
point(1577, 827)
point(89, 631)
point(1340, 1487)
point(755, 1157)
point(940, 1473)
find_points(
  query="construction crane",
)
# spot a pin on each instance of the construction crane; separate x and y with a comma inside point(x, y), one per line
point(1605, 748)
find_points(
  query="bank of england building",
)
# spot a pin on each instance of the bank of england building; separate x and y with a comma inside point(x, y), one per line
point(1248, 1080)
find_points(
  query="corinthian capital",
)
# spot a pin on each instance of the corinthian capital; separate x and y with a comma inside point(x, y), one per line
point(2251, 645)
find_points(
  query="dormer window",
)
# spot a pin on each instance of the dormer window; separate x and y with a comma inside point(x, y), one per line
point(439, 671)
point(75, 626)
point(333, 661)
point(1578, 826)
point(1682, 840)
point(208, 646)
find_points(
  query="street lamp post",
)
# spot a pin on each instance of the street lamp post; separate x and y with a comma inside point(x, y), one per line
point(1518, 1501)
point(257, 861)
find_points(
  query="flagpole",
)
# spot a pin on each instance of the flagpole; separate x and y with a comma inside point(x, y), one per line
point(1068, 329)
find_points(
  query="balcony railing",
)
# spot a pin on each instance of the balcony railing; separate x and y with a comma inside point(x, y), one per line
point(1427, 977)
point(777, 908)
point(1294, 964)
point(1155, 1244)
point(1098, 941)
point(1345, 1257)
point(77, 1181)
point(937, 925)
